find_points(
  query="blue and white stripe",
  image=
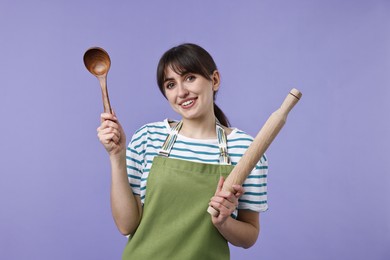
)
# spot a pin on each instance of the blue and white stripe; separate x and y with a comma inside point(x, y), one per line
point(147, 141)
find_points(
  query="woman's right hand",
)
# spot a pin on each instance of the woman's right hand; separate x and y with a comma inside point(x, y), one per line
point(111, 134)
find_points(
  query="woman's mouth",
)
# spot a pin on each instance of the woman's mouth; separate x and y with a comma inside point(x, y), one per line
point(188, 103)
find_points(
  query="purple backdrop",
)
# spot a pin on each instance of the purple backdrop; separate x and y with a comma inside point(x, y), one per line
point(329, 193)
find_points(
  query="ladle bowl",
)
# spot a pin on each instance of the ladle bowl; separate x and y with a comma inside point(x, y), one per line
point(97, 61)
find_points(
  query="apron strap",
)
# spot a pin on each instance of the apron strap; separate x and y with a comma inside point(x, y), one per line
point(221, 136)
point(171, 138)
point(222, 142)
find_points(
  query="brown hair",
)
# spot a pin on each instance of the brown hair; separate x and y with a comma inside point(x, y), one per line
point(189, 58)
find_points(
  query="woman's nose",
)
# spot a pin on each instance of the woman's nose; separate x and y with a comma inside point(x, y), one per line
point(182, 90)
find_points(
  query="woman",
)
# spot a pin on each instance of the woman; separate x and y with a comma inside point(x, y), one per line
point(177, 169)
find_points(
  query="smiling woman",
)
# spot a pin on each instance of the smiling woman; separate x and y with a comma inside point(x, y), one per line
point(190, 58)
point(177, 168)
point(191, 95)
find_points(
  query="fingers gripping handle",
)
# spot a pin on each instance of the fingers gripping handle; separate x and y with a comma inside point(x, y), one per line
point(212, 211)
point(260, 144)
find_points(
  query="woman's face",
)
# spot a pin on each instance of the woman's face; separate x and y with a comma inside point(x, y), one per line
point(191, 95)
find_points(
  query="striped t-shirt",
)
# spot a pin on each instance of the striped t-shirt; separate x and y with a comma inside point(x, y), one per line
point(147, 141)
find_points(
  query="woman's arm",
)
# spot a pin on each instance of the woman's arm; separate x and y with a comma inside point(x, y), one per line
point(244, 230)
point(125, 206)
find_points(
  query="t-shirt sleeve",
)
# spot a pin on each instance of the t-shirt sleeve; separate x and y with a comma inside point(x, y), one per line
point(135, 159)
point(255, 186)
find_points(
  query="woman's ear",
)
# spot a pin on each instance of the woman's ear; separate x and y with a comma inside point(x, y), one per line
point(216, 79)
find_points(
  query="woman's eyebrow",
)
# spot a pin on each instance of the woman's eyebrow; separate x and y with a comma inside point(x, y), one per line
point(168, 79)
point(183, 74)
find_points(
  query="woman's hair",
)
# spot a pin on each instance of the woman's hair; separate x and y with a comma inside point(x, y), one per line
point(189, 58)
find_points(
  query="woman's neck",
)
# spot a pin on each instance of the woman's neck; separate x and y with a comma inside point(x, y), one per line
point(200, 128)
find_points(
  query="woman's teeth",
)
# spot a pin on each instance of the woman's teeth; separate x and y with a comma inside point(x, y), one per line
point(187, 103)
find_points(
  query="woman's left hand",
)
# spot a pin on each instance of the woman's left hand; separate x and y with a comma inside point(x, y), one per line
point(225, 202)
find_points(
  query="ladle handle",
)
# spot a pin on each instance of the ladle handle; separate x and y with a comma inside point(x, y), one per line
point(106, 100)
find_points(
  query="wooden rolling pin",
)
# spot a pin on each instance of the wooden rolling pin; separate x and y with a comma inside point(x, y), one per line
point(259, 145)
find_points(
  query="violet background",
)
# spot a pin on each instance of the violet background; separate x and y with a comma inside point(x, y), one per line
point(329, 193)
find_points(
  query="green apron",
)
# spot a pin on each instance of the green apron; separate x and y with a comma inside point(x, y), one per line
point(175, 223)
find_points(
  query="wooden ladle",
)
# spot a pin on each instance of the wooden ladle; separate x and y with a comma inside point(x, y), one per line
point(97, 61)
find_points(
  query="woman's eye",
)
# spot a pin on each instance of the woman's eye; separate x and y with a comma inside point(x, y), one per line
point(190, 78)
point(169, 85)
